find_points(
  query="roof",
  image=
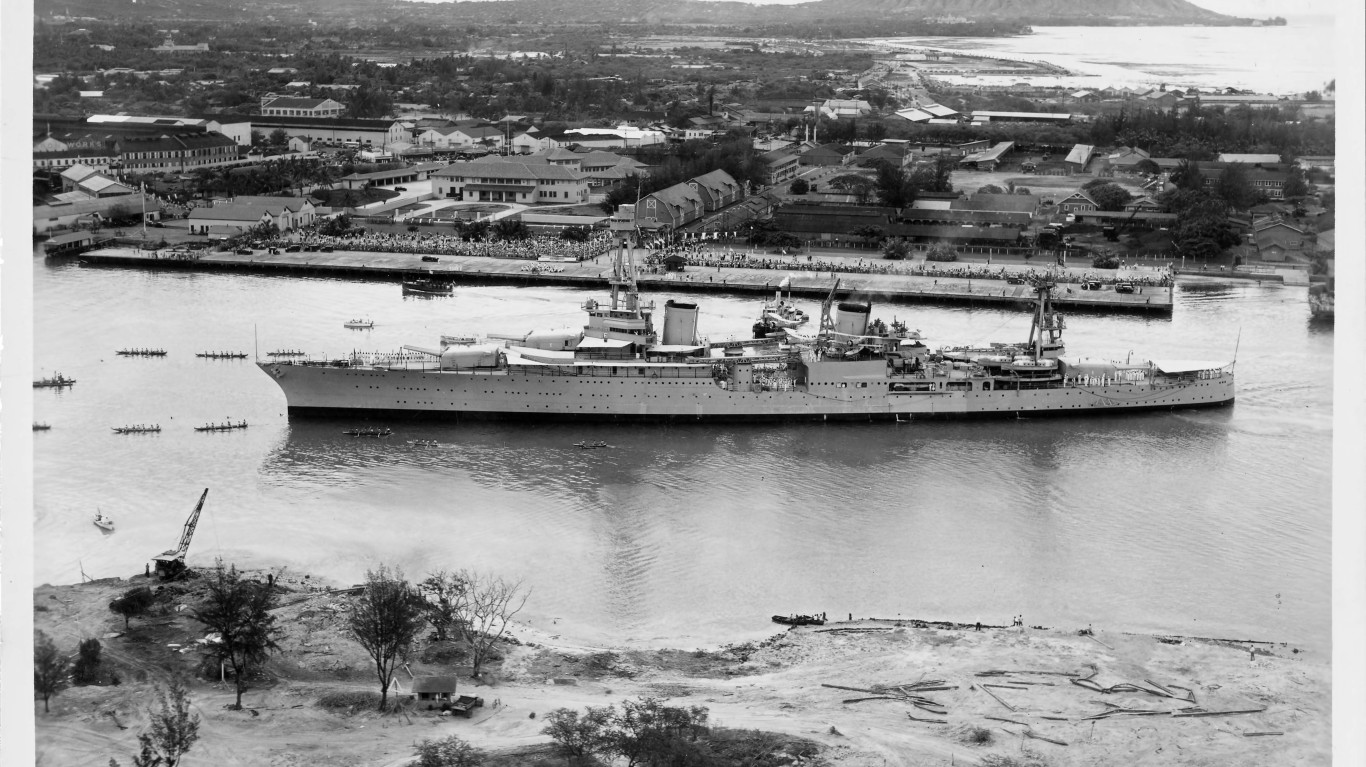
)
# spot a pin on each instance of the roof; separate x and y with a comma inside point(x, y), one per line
point(677, 196)
point(1021, 116)
point(281, 121)
point(1015, 203)
point(1251, 159)
point(77, 172)
point(967, 216)
point(229, 212)
point(269, 202)
point(434, 684)
point(296, 102)
point(1080, 154)
point(991, 155)
point(1002, 234)
point(717, 180)
point(1080, 193)
point(506, 169)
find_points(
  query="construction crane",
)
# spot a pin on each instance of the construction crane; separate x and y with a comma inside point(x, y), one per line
point(170, 565)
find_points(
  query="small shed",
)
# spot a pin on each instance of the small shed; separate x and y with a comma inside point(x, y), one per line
point(434, 687)
point(675, 262)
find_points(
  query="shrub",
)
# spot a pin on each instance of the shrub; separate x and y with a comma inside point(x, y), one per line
point(980, 736)
point(800, 186)
point(1105, 261)
point(349, 699)
point(896, 250)
point(450, 751)
point(86, 670)
point(941, 254)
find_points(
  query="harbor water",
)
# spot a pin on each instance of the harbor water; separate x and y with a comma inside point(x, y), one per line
point(1210, 523)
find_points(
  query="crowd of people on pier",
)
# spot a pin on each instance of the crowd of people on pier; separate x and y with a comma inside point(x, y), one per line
point(700, 255)
point(531, 248)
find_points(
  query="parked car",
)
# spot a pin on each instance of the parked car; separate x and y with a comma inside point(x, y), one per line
point(1125, 287)
point(431, 259)
point(400, 189)
point(1093, 285)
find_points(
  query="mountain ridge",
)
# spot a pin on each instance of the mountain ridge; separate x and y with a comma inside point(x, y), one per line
point(697, 12)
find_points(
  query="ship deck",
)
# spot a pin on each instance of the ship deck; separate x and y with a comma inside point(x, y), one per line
point(900, 288)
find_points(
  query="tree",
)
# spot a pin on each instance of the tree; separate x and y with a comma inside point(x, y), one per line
point(648, 732)
point(134, 603)
point(940, 253)
point(799, 186)
point(450, 751)
point(575, 234)
point(1023, 190)
point(279, 138)
point(511, 228)
point(990, 189)
point(443, 591)
point(580, 737)
point(1110, 196)
point(896, 249)
point(1234, 187)
point(239, 611)
point(385, 619)
point(1148, 167)
point(1295, 187)
point(872, 234)
point(173, 730)
point(1187, 176)
point(86, 670)
point(894, 188)
point(336, 226)
point(484, 611)
point(50, 668)
point(852, 183)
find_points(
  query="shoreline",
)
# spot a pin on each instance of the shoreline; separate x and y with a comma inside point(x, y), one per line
point(847, 686)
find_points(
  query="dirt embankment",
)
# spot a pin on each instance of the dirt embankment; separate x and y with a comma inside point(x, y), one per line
point(872, 692)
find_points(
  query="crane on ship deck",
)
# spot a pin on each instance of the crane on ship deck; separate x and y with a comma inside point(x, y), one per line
point(170, 565)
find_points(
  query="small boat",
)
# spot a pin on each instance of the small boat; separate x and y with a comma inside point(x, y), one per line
point(103, 522)
point(138, 429)
point(41, 426)
point(285, 353)
point(359, 324)
point(591, 445)
point(424, 443)
point(222, 355)
point(368, 431)
point(141, 352)
point(227, 426)
point(56, 381)
point(428, 286)
point(799, 620)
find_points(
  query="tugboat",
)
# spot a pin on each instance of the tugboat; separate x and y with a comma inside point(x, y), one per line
point(621, 367)
point(41, 426)
point(428, 286)
point(779, 314)
point(54, 382)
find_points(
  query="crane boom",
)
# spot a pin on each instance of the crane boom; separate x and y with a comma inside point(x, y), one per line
point(190, 525)
point(171, 564)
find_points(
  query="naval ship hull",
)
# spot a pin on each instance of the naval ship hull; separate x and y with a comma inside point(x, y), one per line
point(683, 394)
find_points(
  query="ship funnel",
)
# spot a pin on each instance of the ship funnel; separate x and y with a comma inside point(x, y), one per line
point(852, 318)
point(680, 324)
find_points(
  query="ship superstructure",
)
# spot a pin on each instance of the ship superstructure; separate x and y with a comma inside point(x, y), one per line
point(618, 368)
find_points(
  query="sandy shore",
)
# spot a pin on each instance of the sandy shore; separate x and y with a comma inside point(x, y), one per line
point(1036, 692)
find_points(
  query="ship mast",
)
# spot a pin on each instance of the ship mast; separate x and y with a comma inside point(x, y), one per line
point(1045, 322)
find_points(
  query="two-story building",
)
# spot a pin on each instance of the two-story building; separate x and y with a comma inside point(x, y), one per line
point(780, 166)
point(1078, 202)
point(177, 152)
point(244, 213)
point(1278, 241)
point(717, 189)
point(675, 206)
point(336, 131)
point(500, 180)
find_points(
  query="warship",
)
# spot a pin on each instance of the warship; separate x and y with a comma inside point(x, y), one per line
point(618, 368)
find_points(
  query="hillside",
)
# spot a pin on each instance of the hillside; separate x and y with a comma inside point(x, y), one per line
point(689, 12)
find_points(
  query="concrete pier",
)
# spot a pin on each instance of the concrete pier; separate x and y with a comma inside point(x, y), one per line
point(898, 288)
